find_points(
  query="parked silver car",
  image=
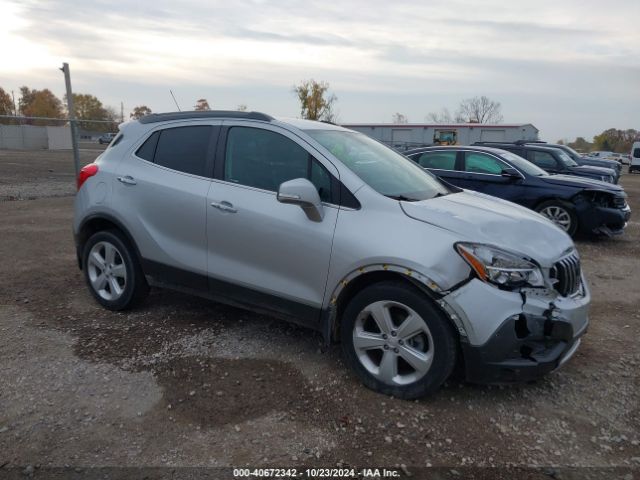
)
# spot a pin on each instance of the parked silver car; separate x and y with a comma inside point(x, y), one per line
point(330, 229)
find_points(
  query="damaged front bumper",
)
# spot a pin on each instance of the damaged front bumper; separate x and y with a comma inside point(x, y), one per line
point(606, 221)
point(516, 336)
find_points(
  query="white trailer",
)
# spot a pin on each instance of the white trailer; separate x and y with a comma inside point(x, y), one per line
point(412, 135)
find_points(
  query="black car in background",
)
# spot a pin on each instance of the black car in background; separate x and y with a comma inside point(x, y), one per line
point(584, 160)
point(573, 203)
point(553, 160)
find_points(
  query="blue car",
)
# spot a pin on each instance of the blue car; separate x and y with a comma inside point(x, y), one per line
point(575, 204)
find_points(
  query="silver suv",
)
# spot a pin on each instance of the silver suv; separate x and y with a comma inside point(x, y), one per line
point(332, 230)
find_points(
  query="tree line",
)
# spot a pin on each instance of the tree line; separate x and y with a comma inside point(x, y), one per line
point(611, 140)
point(316, 103)
point(44, 103)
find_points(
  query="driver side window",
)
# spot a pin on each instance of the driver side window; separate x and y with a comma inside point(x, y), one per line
point(481, 163)
point(265, 159)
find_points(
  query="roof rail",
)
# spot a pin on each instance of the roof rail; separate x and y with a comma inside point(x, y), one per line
point(161, 117)
point(517, 142)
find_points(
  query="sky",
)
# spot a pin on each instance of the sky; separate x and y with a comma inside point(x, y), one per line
point(570, 67)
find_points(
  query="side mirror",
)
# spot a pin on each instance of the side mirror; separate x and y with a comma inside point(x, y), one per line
point(302, 192)
point(511, 173)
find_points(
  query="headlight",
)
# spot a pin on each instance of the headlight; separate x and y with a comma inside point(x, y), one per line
point(501, 268)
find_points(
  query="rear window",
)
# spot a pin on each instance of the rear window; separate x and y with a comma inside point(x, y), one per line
point(183, 149)
point(636, 153)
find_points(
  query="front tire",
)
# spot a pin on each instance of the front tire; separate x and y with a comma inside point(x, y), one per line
point(397, 342)
point(112, 271)
point(561, 213)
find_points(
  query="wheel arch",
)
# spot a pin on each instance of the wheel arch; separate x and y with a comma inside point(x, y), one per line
point(100, 222)
point(363, 277)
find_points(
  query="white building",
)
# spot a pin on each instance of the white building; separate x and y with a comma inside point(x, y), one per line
point(413, 135)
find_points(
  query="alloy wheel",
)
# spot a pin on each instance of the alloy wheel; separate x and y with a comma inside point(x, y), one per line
point(107, 271)
point(393, 343)
point(558, 215)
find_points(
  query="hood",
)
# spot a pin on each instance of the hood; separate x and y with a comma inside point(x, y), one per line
point(599, 162)
point(484, 219)
point(582, 182)
point(591, 170)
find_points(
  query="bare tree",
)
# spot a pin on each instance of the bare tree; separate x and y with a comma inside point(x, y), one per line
point(242, 108)
point(480, 110)
point(443, 116)
point(315, 101)
point(399, 118)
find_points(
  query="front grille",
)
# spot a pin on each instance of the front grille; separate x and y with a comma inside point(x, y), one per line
point(567, 273)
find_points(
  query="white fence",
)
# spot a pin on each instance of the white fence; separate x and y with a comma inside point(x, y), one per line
point(28, 137)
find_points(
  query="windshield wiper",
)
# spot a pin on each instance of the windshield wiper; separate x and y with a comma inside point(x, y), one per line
point(402, 198)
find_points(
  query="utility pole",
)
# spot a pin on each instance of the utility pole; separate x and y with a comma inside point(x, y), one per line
point(121, 112)
point(72, 117)
point(15, 110)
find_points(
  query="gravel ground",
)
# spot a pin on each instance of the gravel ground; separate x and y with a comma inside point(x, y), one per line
point(183, 382)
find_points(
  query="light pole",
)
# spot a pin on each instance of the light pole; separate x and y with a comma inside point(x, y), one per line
point(72, 117)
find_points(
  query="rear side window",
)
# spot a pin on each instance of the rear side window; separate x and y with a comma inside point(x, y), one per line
point(265, 159)
point(183, 149)
point(481, 163)
point(636, 153)
point(438, 160)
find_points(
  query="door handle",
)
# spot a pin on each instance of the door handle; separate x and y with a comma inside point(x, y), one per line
point(127, 180)
point(224, 206)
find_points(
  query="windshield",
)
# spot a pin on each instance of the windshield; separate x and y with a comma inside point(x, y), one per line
point(571, 152)
point(384, 170)
point(566, 159)
point(523, 165)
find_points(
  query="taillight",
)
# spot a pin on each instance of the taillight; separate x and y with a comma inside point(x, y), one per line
point(86, 172)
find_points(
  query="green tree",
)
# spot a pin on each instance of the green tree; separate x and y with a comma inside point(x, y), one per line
point(88, 107)
point(615, 140)
point(140, 111)
point(6, 107)
point(315, 101)
point(202, 105)
point(40, 103)
point(581, 145)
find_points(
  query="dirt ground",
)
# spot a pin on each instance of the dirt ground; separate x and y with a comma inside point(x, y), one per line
point(183, 382)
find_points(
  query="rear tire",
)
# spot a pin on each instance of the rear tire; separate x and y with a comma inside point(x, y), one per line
point(397, 341)
point(561, 213)
point(112, 271)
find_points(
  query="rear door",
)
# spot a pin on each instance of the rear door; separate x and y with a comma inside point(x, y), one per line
point(261, 251)
point(161, 192)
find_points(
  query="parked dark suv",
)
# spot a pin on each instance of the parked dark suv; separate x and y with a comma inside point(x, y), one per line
point(553, 160)
point(584, 160)
point(572, 203)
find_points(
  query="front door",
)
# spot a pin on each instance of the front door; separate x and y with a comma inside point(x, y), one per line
point(484, 174)
point(261, 251)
